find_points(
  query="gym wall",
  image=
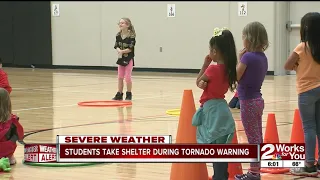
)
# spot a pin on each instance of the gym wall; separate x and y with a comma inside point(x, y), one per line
point(25, 33)
point(84, 34)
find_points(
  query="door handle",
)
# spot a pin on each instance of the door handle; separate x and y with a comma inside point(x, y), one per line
point(290, 26)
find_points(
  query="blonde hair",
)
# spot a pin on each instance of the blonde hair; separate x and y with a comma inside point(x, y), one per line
point(5, 106)
point(130, 27)
point(256, 35)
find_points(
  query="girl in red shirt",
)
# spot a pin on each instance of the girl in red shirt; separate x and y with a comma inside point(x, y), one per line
point(10, 129)
point(4, 82)
point(214, 121)
point(215, 80)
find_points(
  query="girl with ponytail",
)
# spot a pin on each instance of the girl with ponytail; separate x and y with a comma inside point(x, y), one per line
point(125, 45)
point(214, 121)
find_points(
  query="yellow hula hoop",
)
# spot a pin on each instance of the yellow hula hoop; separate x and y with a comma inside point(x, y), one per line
point(173, 112)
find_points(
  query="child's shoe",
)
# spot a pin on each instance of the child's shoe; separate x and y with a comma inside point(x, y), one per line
point(305, 171)
point(12, 160)
point(233, 102)
point(248, 176)
point(129, 96)
point(118, 96)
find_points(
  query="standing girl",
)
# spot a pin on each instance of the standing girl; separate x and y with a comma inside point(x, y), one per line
point(305, 59)
point(10, 128)
point(125, 43)
point(251, 72)
point(214, 121)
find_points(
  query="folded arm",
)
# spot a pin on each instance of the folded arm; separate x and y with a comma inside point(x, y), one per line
point(201, 76)
point(292, 62)
point(131, 46)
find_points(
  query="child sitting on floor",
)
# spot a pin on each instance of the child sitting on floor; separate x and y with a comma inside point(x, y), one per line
point(234, 102)
point(10, 129)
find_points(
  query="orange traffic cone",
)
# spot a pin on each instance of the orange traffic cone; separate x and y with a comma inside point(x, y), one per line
point(187, 134)
point(272, 136)
point(235, 138)
point(233, 168)
point(297, 135)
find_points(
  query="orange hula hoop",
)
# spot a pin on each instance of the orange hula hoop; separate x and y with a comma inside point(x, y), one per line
point(105, 103)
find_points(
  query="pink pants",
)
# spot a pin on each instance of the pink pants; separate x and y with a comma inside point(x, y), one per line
point(124, 72)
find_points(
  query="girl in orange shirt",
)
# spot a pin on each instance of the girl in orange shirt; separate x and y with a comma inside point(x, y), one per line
point(305, 60)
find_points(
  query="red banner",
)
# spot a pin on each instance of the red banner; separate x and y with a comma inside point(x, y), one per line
point(40, 153)
point(283, 155)
point(157, 153)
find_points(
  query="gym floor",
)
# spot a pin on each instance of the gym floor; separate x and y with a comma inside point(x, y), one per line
point(46, 102)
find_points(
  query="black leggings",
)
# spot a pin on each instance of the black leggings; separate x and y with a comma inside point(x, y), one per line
point(220, 169)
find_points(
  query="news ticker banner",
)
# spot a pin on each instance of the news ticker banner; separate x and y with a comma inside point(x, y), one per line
point(114, 139)
point(158, 149)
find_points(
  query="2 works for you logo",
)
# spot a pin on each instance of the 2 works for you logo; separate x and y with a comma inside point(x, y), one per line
point(283, 151)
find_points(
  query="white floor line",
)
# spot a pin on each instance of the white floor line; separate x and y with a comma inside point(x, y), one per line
point(142, 78)
point(44, 107)
point(68, 91)
point(70, 105)
point(21, 88)
point(87, 92)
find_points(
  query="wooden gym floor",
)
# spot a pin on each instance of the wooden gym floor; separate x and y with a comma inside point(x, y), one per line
point(47, 99)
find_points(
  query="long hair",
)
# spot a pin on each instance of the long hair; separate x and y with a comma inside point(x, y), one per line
point(130, 26)
point(5, 106)
point(309, 33)
point(256, 34)
point(226, 46)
